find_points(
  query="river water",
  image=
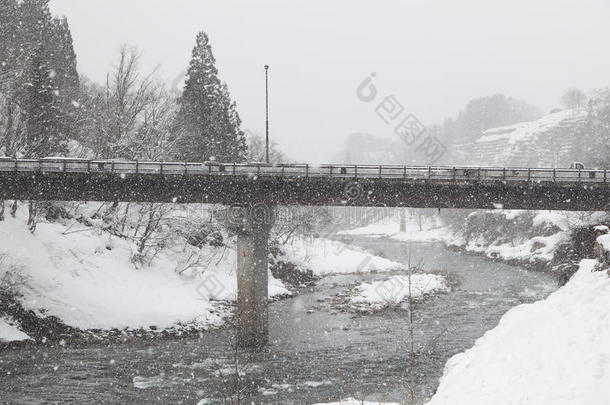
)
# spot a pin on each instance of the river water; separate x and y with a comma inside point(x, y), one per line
point(316, 353)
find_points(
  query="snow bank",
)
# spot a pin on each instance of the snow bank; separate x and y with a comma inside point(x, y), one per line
point(86, 279)
point(324, 256)
point(604, 241)
point(391, 292)
point(553, 351)
point(536, 248)
point(526, 245)
point(558, 219)
point(9, 332)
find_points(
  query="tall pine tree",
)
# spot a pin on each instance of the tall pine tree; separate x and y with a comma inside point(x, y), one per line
point(45, 125)
point(39, 80)
point(9, 23)
point(10, 72)
point(207, 122)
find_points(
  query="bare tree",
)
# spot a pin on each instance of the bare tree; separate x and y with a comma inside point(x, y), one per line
point(573, 98)
point(11, 126)
point(131, 117)
point(153, 139)
point(257, 149)
point(116, 113)
point(300, 221)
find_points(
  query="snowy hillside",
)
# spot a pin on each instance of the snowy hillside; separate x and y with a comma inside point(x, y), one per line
point(549, 142)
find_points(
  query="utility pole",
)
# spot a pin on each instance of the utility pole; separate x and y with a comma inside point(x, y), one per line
point(267, 112)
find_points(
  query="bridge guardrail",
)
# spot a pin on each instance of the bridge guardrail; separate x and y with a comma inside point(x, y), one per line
point(432, 173)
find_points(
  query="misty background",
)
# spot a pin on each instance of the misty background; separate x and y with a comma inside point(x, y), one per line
point(434, 57)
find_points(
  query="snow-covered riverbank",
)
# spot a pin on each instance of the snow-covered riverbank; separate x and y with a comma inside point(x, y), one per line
point(85, 277)
point(326, 339)
point(9, 332)
point(523, 238)
point(325, 256)
point(553, 351)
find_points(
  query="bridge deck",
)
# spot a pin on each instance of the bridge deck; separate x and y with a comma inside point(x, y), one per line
point(303, 184)
point(443, 173)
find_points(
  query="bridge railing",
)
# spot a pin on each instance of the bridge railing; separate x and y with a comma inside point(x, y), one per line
point(437, 173)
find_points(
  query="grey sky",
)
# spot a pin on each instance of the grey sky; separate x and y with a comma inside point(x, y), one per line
point(434, 56)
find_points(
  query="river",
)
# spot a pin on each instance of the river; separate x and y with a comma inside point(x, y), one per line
point(316, 353)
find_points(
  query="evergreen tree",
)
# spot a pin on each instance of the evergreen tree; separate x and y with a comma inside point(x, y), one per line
point(233, 139)
point(9, 72)
point(45, 122)
point(207, 121)
point(39, 81)
point(63, 63)
point(9, 17)
point(593, 141)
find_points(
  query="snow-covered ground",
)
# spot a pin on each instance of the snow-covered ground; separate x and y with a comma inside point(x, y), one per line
point(532, 249)
point(522, 247)
point(325, 256)
point(604, 241)
point(527, 249)
point(391, 292)
point(85, 278)
point(9, 332)
point(553, 351)
point(535, 244)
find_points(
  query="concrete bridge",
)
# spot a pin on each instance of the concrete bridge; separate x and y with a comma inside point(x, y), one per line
point(252, 189)
point(302, 184)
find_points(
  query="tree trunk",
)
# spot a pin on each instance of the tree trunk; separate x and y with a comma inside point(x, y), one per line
point(14, 209)
point(32, 213)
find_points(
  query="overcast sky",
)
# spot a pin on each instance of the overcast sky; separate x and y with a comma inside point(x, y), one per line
point(434, 56)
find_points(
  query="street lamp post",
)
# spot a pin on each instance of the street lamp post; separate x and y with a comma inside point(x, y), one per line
point(267, 112)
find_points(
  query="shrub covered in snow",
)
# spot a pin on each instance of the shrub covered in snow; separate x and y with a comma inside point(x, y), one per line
point(395, 290)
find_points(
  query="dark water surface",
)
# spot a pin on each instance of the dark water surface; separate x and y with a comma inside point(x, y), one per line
point(315, 355)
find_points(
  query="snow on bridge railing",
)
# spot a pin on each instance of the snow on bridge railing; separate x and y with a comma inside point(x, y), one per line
point(439, 173)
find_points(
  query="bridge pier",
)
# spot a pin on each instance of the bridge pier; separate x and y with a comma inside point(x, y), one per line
point(252, 224)
point(403, 220)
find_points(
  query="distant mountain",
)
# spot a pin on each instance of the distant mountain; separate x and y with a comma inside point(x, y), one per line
point(449, 143)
